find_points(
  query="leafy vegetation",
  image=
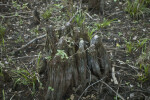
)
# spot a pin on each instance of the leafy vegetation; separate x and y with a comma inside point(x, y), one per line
point(47, 14)
point(1, 74)
point(137, 8)
point(62, 54)
point(104, 24)
point(130, 47)
point(80, 18)
point(138, 45)
point(141, 46)
point(24, 77)
point(144, 65)
point(90, 33)
point(3, 91)
point(18, 6)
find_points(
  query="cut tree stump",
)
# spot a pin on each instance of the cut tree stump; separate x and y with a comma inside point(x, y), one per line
point(70, 69)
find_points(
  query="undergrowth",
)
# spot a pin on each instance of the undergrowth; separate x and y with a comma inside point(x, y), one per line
point(137, 8)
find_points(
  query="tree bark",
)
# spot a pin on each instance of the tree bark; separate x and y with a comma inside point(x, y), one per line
point(72, 71)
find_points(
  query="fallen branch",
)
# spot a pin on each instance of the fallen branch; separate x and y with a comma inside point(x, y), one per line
point(14, 16)
point(112, 90)
point(113, 76)
point(26, 45)
point(89, 87)
point(24, 57)
point(103, 83)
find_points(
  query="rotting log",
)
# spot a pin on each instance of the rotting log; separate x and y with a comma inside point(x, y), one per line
point(70, 72)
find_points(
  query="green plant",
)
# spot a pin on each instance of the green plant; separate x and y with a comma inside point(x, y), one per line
point(117, 98)
point(21, 22)
point(16, 14)
point(136, 8)
point(147, 2)
point(16, 5)
point(39, 59)
point(142, 42)
point(59, 6)
point(24, 5)
point(90, 33)
point(33, 89)
point(48, 57)
point(35, 31)
point(1, 68)
point(62, 54)
point(38, 67)
point(3, 91)
point(2, 32)
point(25, 77)
point(80, 18)
point(2, 42)
point(1, 74)
point(130, 46)
point(144, 65)
point(50, 88)
point(47, 14)
point(69, 8)
point(120, 33)
point(19, 40)
point(144, 75)
point(104, 24)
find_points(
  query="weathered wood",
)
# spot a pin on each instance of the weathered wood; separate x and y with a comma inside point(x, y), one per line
point(66, 73)
point(98, 57)
point(51, 41)
point(81, 63)
point(61, 72)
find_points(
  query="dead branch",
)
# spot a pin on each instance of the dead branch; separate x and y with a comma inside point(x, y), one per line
point(26, 45)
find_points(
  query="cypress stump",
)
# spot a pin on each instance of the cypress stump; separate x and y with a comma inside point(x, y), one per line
point(73, 57)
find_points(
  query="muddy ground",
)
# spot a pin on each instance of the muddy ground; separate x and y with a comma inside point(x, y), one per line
point(123, 39)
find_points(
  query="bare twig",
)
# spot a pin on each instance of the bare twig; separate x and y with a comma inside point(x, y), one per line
point(14, 16)
point(133, 67)
point(118, 88)
point(116, 13)
point(69, 22)
point(91, 17)
point(24, 57)
point(112, 90)
point(10, 15)
point(19, 12)
point(106, 85)
point(4, 4)
point(89, 87)
point(24, 46)
point(113, 76)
